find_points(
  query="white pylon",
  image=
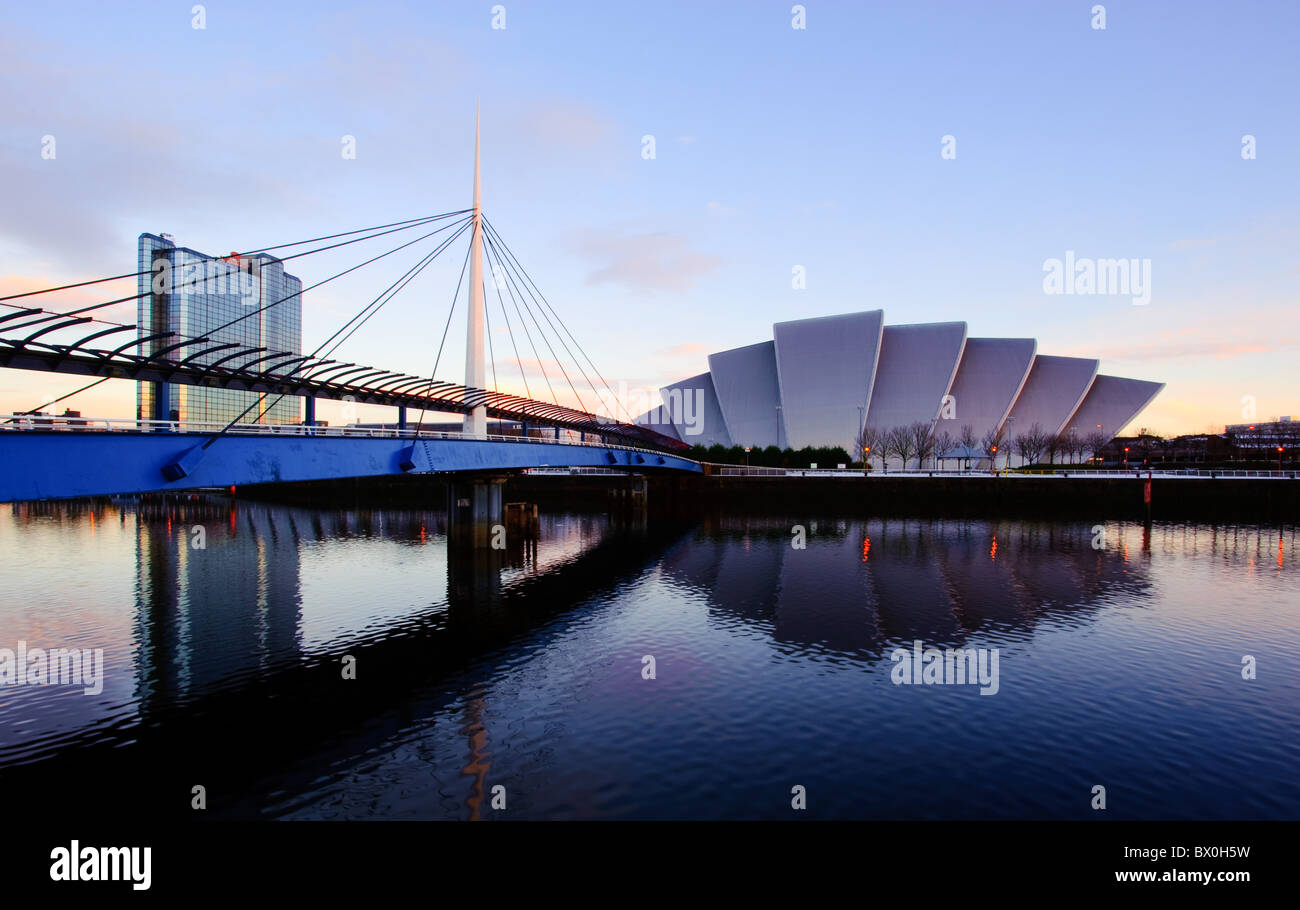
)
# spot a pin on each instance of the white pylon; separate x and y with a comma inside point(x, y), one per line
point(475, 368)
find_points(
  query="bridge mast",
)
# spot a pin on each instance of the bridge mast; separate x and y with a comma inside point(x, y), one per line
point(475, 368)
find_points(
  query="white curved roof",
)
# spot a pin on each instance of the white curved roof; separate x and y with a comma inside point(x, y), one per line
point(1054, 388)
point(651, 421)
point(748, 394)
point(1111, 403)
point(917, 365)
point(806, 387)
point(691, 406)
point(989, 377)
point(825, 368)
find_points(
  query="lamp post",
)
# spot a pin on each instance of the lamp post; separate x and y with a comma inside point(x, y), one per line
point(747, 448)
point(1280, 450)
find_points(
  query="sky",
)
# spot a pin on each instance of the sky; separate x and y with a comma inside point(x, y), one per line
point(924, 158)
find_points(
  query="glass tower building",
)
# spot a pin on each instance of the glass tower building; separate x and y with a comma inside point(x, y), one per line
point(245, 300)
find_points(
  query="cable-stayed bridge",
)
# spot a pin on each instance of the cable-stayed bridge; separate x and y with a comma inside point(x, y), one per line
point(45, 457)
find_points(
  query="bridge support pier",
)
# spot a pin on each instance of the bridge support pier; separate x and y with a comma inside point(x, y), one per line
point(628, 501)
point(401, 417)
point(476, 512)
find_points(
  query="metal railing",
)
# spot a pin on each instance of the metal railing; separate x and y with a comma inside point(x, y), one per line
point(32, 422)
point(1064, 473)
point(601, 472)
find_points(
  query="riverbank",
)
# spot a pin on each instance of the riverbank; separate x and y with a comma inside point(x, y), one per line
point(1254, 499)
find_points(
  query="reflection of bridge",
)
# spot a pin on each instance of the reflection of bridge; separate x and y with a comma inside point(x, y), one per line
point(235, 649)
point(59, 459)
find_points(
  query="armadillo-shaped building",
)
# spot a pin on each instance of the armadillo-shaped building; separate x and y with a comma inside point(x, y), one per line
point(819, 381)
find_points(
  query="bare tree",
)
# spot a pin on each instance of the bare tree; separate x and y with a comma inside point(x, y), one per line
point(1025, 446)
point(901, 444)
point(1030, 444)
point(992, 444)
point(944, 443)
point(1069, 441)
point(871, 444)
point(1052, 445)
point(968, 440)
point(1094, 442)
point(922, 435)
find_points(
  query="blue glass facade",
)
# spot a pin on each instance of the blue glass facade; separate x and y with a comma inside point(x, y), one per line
point(194, 295)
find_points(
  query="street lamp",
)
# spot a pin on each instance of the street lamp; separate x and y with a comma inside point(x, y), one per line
point(1280, 450)
point(747, 448)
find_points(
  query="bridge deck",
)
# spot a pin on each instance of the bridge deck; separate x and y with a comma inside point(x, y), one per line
point(59, 462)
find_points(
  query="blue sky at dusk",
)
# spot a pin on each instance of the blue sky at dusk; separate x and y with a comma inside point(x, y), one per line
point(775, 148)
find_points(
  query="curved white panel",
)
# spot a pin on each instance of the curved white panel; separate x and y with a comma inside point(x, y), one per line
point(917, 364)
point(825, 368)
point(1052, 391)
point(1111, 403)
point(990, 376)
point(690, 406)
point(747, 390)
point(651, 421)
point(805, 387)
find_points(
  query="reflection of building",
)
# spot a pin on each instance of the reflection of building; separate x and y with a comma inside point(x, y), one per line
point(248, 301)
point(214, 614)
point(859, 587)
point(820, 381)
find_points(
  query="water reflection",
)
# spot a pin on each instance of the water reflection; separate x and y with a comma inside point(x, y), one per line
point(859, 587)
point(225, 626)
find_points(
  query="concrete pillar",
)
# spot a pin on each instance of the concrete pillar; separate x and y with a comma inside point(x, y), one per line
point(475, 512)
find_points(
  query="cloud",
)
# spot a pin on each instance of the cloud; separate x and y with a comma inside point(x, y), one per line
point(688, 349)
point(64, 301)
point(648, 262)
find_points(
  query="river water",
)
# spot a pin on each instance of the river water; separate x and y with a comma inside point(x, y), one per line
point(277, 662)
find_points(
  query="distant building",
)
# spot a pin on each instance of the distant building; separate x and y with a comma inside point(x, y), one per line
point(833, 380)
point(1260, 440)
point(1256, 443)
point(194, 295)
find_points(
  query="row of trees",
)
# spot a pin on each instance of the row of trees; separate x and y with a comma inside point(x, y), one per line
point(921, 441)
point(772, 456)
point(916, 444)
